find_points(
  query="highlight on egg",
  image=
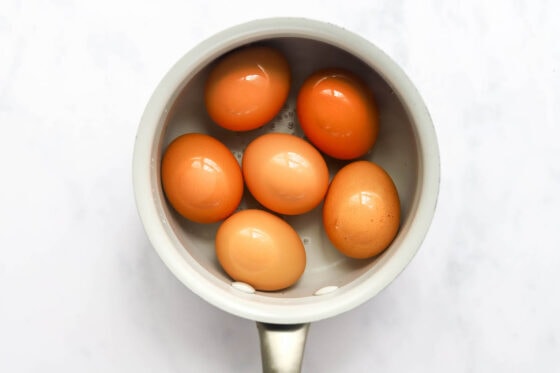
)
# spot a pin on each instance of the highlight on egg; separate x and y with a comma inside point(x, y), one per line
point(247, 88)
point(260, 249)
point(361, 212)
point(201, 178)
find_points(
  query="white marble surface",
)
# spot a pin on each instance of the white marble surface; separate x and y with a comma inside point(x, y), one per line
point(81, 290)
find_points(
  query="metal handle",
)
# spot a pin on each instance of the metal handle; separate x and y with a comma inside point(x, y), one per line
point(282, 347)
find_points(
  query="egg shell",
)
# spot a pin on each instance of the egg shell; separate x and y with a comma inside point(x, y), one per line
point(260, 249)
point(285, 173)
point(361, 213)
point(338, 113)
point(247, 88)
point(201, 178)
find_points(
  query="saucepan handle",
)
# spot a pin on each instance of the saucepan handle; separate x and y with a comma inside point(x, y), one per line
point(282, 347)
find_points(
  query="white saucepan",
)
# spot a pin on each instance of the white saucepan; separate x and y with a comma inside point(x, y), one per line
point(331, 284)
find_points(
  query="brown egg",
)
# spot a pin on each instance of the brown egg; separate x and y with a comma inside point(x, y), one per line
point(247, 88)
point(361, 213)
point(201, 178)
point(338, 113)
point(285, 173)
point(260, 249)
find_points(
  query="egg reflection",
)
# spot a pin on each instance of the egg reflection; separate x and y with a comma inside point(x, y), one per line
point(206, 164)
point(253, 234)
point(365, 199)
point(292, 160)
point(335, 93)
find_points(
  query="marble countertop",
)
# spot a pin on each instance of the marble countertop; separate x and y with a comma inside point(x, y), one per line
point(82, 290)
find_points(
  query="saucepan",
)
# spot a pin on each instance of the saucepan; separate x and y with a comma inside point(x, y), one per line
point(332, 283)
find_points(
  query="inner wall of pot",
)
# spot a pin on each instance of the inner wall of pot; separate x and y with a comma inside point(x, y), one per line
point(395, 150)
